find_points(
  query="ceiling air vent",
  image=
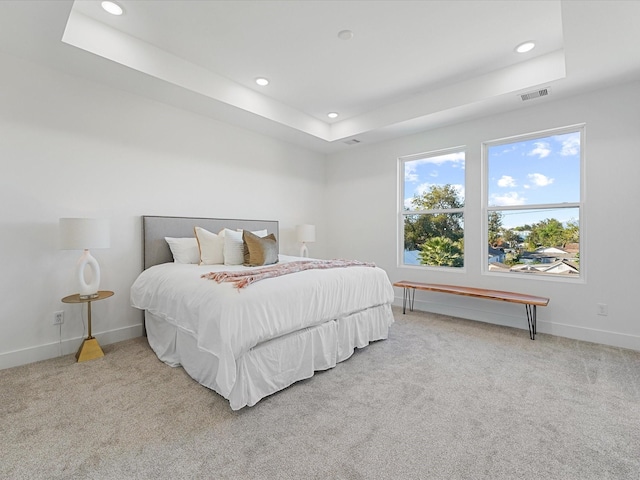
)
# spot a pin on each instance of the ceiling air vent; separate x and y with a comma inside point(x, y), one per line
point(535, 94)
point(353, 141)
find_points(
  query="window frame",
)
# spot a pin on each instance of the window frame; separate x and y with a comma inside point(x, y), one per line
point(402, 213)
point(580, 205)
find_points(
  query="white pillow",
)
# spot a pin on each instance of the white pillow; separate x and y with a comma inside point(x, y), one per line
point(257, 233)
point(211, 247)
point(184, 250)
point(233, 247)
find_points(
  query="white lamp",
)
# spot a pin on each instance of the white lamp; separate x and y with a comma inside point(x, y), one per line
point(306, 234)
point(83, 234)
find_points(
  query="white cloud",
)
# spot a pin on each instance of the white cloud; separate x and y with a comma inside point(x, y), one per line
point(542, 150)
point(423, 187)
point(418, 191)
point(506, 181)
point(410, 174)
point(508, 199)
point(512, 148)
point(540, 180)
point(459, 190)
point(457, 158)
point(571, 145)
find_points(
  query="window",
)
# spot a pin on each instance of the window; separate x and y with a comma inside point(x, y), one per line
point(533, 203)
point(431, 226)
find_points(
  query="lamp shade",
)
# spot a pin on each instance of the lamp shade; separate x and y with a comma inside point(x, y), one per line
point(84, 233)
point(306, 233)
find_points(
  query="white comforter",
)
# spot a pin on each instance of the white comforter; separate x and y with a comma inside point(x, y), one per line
point(227, 322)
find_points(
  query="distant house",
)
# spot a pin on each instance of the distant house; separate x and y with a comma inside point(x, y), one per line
point(498, 267)
point(561, 267)
point(550, 251)
point(496, 255)
point(525, 268)
point(544, 255)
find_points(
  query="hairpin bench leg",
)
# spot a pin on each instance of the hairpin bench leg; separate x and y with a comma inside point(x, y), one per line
point(408, 294)
point(404, 300)
point(531, 320)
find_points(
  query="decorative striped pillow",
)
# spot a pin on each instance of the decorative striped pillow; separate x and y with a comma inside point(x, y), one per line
point(233, 247)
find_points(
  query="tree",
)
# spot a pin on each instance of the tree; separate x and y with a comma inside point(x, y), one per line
point(442, 251)
point(511, 258)
point(495, 227)
point(511, 237)
point(420, 227)
point(547, 233)
point(571, 233)
point(438, 197)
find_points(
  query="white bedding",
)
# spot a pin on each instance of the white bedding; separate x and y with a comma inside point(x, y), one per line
point(228, 323)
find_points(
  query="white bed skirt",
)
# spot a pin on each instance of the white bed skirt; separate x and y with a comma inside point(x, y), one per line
point(273, 365)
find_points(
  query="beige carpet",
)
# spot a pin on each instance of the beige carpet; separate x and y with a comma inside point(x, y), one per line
point(442, 398)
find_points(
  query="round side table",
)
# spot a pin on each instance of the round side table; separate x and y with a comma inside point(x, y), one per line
point(90, 347)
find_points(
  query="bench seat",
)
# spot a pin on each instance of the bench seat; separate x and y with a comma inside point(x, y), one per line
point(529, 301)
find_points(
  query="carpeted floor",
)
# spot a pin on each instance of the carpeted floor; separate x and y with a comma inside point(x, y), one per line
point(442, 398)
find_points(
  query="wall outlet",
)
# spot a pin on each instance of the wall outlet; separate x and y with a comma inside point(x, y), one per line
point(58, 317)
point(602, 309)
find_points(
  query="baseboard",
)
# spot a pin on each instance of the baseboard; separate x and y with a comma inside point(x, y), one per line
point(604, 337)
point(65, 347)
point(515, 317)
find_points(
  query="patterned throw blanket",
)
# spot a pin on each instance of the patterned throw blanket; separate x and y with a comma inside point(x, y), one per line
point(243, 279)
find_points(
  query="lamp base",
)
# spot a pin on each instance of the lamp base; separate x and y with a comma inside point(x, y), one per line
point(89, 350)
point(88, 290)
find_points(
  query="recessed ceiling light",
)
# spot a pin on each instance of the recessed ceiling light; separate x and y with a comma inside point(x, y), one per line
point(263, 82)
point(112, 7)
point(525, 47)
point(345, 34)
point(332, 115)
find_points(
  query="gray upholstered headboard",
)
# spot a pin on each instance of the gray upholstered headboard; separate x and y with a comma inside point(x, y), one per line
point(154, 229)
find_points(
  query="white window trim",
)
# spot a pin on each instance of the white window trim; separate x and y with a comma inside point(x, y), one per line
point(403, 213)
point(581, 278)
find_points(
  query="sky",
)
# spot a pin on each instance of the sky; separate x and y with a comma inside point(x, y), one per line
point(421, 174)
point(538, 171)
point(528, 172)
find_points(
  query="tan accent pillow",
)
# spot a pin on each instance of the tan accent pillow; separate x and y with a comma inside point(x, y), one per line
point(259, 250)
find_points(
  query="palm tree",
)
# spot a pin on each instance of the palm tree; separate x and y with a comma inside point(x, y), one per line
point(441, 251)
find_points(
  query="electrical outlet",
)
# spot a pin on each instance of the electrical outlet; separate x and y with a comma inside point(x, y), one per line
point(58, 317)
point(602, 309)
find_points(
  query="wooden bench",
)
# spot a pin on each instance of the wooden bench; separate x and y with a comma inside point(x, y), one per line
point(529, 301)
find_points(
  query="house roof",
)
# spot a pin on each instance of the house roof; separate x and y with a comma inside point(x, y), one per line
point(409, 66)
point(550, 250)
point(561, 266)
point(498, 267)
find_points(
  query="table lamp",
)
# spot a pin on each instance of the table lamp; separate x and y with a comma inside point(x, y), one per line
point(306, 234)
point(83, 234)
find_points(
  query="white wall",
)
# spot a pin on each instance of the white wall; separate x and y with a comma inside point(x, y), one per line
point(362, 198)
point(70, 147)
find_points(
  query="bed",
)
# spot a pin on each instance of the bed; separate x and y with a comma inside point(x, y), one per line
point(248, 343)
